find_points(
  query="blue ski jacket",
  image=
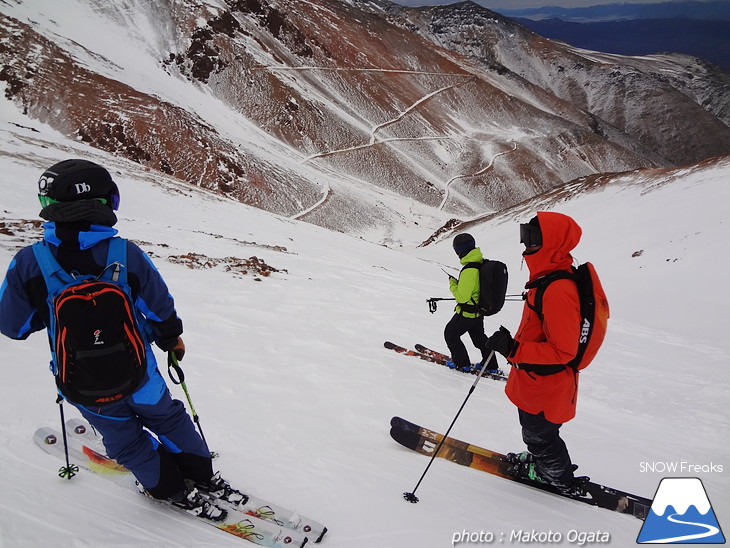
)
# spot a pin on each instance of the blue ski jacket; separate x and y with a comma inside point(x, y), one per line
point(23, 306)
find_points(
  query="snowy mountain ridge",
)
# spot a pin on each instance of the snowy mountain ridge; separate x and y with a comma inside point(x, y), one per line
point(317, 110)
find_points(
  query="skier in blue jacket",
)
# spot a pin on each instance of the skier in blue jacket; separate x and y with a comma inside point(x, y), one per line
point(79, 199)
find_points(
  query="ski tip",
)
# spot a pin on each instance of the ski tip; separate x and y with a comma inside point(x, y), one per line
point(405, 433)
point(45, 436)
point(402, 424)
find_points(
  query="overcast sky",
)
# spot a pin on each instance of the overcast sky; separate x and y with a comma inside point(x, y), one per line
point(518, 4)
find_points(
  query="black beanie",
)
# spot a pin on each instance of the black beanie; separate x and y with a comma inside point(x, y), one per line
point(463, 244)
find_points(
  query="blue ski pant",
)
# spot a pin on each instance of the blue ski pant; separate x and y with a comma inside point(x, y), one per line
point(175, 453)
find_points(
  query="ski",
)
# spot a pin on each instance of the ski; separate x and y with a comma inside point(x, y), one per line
point(408, 352)
point(436, 357)
point(433, 353)
point(443, 358)
point(253, 506)
point(426, 441)
point(236, 523)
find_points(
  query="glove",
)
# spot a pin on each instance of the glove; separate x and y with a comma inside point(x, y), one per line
point(178, 349)
point(501, 341)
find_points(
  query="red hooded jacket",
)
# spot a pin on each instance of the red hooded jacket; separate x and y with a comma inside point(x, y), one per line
point(553, 341)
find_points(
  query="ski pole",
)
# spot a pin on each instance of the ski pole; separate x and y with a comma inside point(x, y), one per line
point(411, 496)
point(174, 365)
point(69, 470)
point(433, 300)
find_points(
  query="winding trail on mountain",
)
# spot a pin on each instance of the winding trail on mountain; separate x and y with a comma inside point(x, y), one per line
point(480, 172)
point(351, 69)
point(415, 105)
point(327, 191)
point(373, 140)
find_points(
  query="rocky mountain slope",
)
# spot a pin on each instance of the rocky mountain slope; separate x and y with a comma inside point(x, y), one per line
point(324, 110)
point(675, 108)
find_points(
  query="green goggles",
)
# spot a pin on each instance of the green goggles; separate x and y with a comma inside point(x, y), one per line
point(46, 201)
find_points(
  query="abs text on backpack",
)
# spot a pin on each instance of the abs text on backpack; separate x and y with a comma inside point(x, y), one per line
point(492, 287)
point(594, 311)
point(98, 353)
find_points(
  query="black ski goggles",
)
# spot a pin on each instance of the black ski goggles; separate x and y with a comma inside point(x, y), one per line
point(530, 235)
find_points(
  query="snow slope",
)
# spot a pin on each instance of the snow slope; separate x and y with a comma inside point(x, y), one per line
point(295, 391)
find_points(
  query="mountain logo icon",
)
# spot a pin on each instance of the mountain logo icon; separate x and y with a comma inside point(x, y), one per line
point(681, 513)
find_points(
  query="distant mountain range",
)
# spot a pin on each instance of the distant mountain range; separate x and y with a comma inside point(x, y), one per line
point(700, 29)
point(718, 10)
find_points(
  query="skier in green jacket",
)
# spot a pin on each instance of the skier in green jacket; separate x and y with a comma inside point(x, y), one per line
point(466, 319)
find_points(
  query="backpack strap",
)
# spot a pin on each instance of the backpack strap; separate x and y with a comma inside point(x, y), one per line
point(55, 276)
point(472, 308)
point(116, 260)
point(541, 284)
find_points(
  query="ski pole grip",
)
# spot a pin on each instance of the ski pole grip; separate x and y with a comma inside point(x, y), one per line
point(174, 366)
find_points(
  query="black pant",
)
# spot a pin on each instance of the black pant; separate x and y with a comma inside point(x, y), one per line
point(455, 329)
point(543, 440)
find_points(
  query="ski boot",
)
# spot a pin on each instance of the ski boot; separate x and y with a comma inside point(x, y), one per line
point(519, 458)
point(523, 466)
point(577, 488)
point(471, 368)
point(220, 489)
point(196, 504)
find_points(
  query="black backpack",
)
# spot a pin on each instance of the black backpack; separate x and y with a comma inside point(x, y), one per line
point(492, 287)
point(97, 347)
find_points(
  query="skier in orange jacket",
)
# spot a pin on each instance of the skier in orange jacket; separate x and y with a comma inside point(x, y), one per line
point(542, 387)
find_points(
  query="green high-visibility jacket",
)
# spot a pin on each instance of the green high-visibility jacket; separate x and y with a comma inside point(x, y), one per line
point(466, 289)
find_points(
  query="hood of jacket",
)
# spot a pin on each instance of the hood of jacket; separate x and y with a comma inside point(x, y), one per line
point(474, 256)
point(560, 235)
point(76, 235)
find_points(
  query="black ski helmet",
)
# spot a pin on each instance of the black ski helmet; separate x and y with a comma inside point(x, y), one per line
point(463, 244)
point(72, 180)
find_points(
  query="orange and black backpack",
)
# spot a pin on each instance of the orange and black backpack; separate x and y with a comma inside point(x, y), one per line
point(98, 352)
point(594, 311)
